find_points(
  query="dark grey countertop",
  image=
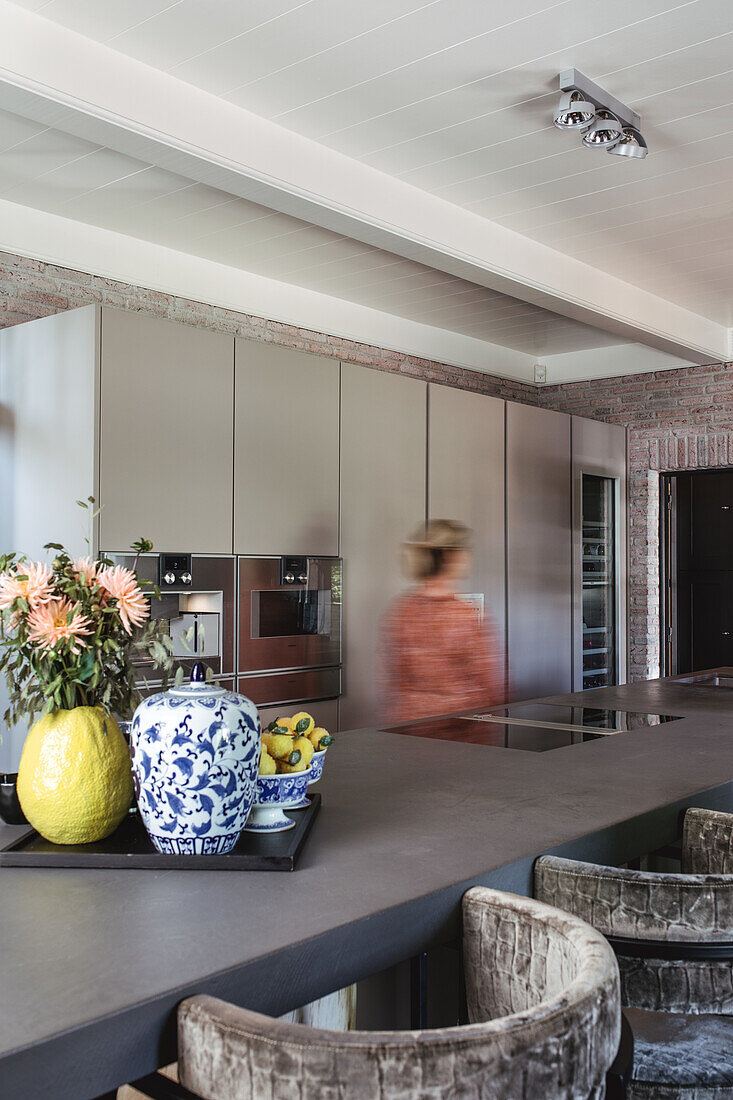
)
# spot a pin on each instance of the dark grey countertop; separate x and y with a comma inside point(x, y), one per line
point(94, 962)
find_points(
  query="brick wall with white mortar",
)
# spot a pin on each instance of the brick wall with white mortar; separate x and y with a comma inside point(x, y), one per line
point(677, 420)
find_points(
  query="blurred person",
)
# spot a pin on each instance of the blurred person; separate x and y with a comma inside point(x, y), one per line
point(436, 657)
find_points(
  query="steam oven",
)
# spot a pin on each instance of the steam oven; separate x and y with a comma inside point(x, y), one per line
point(289, 629)
point(197, 605)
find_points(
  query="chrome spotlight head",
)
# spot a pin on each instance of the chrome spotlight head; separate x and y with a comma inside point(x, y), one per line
point(605, 132)
point(574, 112)
point(630, 144)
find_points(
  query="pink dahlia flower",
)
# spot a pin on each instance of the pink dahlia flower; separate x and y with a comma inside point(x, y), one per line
point(121, 584)
point(56, 621)
point(88, 567)
point(31, 581)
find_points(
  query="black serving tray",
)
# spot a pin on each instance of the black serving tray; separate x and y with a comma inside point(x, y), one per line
point(130, 848)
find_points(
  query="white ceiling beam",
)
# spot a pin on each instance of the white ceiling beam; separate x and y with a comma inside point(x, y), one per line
point(609, 362)
point(63, 79)
point(70, 243)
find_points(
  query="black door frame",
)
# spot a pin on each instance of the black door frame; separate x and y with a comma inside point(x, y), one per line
point(668, 573)
point(668, 565)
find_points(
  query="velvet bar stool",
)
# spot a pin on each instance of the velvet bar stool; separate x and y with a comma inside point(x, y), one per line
point(543, 998)
point(673, 935)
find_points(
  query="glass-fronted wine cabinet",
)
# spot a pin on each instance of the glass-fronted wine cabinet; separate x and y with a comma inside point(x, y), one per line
point(599, 577)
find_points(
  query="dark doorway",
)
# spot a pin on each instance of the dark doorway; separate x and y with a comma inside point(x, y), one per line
point(697, 571)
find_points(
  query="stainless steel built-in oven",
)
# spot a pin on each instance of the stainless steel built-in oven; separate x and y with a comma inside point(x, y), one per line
point(198, 607)
point(289, 628)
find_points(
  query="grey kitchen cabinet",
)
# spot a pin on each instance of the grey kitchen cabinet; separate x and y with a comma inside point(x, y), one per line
point(210, 445)
point(539, 563)
point(466, 483)
point(286, 451)
point(166, 435)
point(600, 644)
point(49, 376)
point(383, 499)
point(48, 445)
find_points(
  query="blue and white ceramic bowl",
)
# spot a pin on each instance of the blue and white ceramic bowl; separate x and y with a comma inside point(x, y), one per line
point(274, 794)
point(316, 767)
point(317, 762)
point(195, 752)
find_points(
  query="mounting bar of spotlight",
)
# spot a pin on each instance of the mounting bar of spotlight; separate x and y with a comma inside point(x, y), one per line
point(572, 79)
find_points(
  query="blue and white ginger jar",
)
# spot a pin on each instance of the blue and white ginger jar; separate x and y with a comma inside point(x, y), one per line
point(195, 756)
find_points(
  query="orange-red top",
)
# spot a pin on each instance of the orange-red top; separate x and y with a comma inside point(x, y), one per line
point(436, 658)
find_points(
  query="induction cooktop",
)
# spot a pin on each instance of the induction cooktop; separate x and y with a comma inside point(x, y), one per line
point(497, 734)
point(533, 727)
point(573, 716)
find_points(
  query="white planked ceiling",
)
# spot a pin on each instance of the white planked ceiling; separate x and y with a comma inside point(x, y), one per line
point(452, 96)
point(65, 175)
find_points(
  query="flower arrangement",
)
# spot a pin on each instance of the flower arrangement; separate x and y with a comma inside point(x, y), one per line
point(70, 631)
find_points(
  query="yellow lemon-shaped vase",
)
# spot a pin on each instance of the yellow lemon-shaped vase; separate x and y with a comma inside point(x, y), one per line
point(74, 777)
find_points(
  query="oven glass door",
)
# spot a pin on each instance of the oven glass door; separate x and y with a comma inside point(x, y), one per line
point(289, 614)
point(285, 626)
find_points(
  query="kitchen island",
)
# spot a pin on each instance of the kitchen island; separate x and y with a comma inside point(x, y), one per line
point(94, 962)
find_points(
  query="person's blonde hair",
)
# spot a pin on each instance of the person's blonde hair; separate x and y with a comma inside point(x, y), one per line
point(424, 555)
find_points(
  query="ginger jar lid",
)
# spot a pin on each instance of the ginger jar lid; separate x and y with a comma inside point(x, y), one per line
point(198, 688)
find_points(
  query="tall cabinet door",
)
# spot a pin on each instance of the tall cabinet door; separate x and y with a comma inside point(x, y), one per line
point(539, 573)
point(48, 434)
point(383, 466)
point(599, 554)
point(166, 453)
point(466, 483)
point(286, 451)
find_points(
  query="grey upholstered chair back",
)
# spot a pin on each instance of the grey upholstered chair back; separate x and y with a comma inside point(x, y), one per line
point(707, 843)
point(652, 906)
point(543, 996)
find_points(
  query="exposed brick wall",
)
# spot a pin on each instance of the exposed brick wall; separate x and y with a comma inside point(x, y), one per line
point(678, 420)
point(31, 288)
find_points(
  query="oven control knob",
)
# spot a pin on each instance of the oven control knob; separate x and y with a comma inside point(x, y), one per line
point(186, 578)
point(169, 578)
point(302, 577)
point(288, 578)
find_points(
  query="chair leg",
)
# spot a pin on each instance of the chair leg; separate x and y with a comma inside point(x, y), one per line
point(419, 992)
point(619, 1072)
point(463, 1018)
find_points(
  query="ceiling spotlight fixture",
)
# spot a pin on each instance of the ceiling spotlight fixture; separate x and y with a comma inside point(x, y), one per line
point(605, 132)
point(603, 120)
point(630, 144)
point(574, 113)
